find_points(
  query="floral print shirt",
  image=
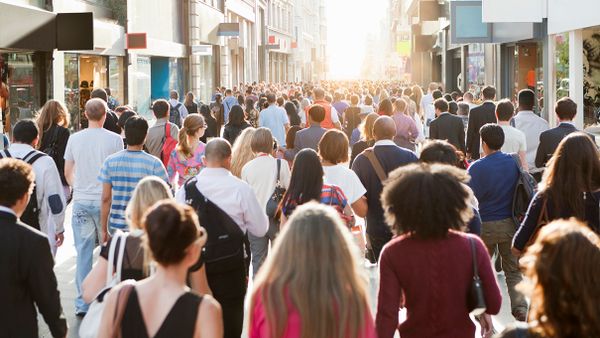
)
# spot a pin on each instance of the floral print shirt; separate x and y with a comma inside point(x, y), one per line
point(187, 168)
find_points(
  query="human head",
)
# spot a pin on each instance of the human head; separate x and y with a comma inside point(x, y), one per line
point(562, 265)
point(290, 108)
point(489, 93)
point(125, 115)
point(100, 94)
point(108, 92)
point(236, 116)
point(442, 184)
point(280, 101)
point(306, 181)
point(437, 94)
point(242, 152)
point(271, 99)
point(173, 234)
point(452, 107)
point(95, 110)
point(354, 100)
point(193, 128)
point(26, 132)
point(314, 233)
point(463, 109)
point(400, 105)
point(386, 108)
point(16, 179)
point(447, 97)
point(384, 128)
point(565, 109)
point(333, 146)
point(249, 105)
point(573, 169)
point(492, 137)
point(455, 96)
point(526, 98)
point(161, 108)
point(217, 153)
point(262, 141)
point(189, 98)
point(438, 151)
point(228, 92)
point(319, 94)
point(316, 113)
point(148, 191)
point(136, 129)
point(290, 137)
point(432, 87)
point(174, 95)
point(441, 106)
point(468, 97)
point(241, 100)
point(53, 112)
point(504, 110)
point(368, 100)
point(366, 127)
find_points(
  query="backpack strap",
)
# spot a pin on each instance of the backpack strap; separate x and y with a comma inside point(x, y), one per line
point(33, 156)
point(517, 159)
point(278, 182)
point(5, 154)
point(370, 154)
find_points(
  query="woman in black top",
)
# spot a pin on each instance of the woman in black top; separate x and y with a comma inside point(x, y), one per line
point(367, 139)
point(212, 129)
point(162, 305)
point(251, 113)
point(236, 124)
point(292, 113)
point(218, 111)
point(53, 122)
point(570, 188)
point(190, 103)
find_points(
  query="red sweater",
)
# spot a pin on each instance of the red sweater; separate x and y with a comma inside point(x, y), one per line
point(434, 277)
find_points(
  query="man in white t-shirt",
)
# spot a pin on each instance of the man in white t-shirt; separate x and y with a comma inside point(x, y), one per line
point(532, 126)
point(261, 175)
point(85, 153)
point(514, 139)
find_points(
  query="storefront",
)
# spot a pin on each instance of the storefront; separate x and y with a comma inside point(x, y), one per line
point(524, 68)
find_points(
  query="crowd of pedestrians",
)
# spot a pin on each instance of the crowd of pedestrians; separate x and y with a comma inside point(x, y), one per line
point(283, 194)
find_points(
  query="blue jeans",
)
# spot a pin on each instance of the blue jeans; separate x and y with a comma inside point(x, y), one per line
point(87, 233)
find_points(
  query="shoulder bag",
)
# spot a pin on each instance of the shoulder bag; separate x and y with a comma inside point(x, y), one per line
point(476, 300)
point(277, 196)
point(90, 324)
point(370, 154)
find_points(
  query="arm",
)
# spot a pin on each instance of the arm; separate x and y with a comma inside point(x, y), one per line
point(523, 160)
point(255, 217)
point(95, 280)
point(433, 131)
point(105, 209)
point(388, 297)
point(471, 135)
point(541, 153)
point(461, 136)
point(42, 284)
point(360, 207)
point(108, 313)
point(530, 223)
point(199, 282)
point(209, 323)
point(474, 226)
point(54, 198)
point(70, 171)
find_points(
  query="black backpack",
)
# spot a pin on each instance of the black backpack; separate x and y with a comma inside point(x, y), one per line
point(31, 215)
point(524, 191)
point(175, 115)
point(224, 249)
point(52, 148)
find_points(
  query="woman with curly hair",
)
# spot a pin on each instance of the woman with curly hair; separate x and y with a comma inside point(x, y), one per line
point(563, 267)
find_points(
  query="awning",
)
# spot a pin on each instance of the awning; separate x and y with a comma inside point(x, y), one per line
point(229, 29)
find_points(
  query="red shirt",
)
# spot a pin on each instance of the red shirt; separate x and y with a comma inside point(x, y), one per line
point(434, 278)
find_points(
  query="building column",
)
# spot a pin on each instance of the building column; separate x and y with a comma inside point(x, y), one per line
point(576, 73)
point(225, 66)
point(550, 80)
point(58, 76)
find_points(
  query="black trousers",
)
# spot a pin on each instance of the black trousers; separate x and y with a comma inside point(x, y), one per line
point(375, 246)
point(228, 282)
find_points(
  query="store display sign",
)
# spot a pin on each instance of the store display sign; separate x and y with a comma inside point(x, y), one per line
point(137, 41)
point(466, 23)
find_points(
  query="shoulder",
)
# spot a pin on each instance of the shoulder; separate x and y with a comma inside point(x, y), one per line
point(32, 236)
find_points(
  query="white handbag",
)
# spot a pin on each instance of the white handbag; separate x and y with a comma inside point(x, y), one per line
point(90, 325)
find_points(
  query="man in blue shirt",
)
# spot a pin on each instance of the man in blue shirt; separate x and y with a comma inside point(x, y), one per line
point(228, 102)
point(493, 180)
point(275, 118)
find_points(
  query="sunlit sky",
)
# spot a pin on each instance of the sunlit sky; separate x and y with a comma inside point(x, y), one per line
point(348, 24)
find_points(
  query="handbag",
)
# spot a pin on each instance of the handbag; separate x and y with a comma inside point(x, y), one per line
point(90, 325)
point(475, 299)
point(277, 196)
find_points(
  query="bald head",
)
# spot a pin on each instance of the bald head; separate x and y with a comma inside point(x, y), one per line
point(384, 128)
point(217, 153)
point(95, 109)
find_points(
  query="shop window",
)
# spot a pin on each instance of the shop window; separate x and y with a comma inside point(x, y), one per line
point(561, 57)
point(116, 79)
point(591, 76)
point(72, 89)
point(20, 87)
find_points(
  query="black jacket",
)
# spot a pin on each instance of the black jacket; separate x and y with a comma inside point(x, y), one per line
point(549, 141)
point(60, 135)
point(231, 132)
point(27, 280)
point(448, 127)
point(111, 122)
point(486, 113)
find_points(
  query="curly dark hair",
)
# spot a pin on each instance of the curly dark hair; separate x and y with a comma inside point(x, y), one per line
point(441, 204)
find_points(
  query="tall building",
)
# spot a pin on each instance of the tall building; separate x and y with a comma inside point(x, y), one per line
point(310, 37)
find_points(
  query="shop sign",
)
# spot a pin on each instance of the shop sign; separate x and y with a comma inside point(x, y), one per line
point(137, 41)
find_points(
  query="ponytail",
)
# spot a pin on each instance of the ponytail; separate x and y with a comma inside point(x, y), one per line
point(190, 127)
point(183, 147)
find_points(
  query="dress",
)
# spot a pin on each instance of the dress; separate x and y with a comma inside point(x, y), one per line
point(185, 168)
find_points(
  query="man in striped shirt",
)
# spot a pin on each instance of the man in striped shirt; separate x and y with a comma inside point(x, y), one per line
point(121, 173)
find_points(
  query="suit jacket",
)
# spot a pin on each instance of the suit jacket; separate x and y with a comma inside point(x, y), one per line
point(308, 138)
point(27, 277)
point(448, 127)
point(549, 141)
point(478, 116)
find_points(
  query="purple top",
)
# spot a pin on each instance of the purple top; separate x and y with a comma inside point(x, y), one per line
point(187, 168)
point(406, 130)
point(340, 107)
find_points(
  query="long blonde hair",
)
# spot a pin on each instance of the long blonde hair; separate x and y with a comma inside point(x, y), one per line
point(366, 127)
point(241, 151)
point(148, 191)
point(315, 266)
point(53, 112)
point(418, 96)
point(191, 124)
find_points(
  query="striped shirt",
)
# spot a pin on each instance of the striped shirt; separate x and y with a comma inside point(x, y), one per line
point(123, 171)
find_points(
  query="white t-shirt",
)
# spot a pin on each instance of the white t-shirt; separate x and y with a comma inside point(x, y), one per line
point(88, 149)
point(341, 176)
point(514, 140)
point(260, 174)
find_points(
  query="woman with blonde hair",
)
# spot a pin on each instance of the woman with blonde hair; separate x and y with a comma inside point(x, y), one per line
point(149, 190)
point(367, 139)
point(186, 159)
point(562, 266)
point(241, 151)
point(53, 121)
point(295, 298)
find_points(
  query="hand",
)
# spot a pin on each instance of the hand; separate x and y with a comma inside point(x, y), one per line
point(59, 239)
point(468, 155)
point(487, 327)
point(105, 236)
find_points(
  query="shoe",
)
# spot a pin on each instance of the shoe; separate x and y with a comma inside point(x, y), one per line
point(498, 264)
point(520, 315)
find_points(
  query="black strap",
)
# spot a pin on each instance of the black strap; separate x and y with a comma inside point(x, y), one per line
point(5, 154)
point(30, 158)
point(54, 138)
point(278, 182)
point(474, 256)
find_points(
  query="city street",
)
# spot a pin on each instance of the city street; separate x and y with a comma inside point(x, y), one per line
point(65, 273)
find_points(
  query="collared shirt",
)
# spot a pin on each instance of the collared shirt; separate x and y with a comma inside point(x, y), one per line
point(183, 112)
point(228, 103)
point(233, 196)
point(532, 126)
point(49, 190)
point(384, 143)
point(570, 123)
point(7, 210)
point(275, 118)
